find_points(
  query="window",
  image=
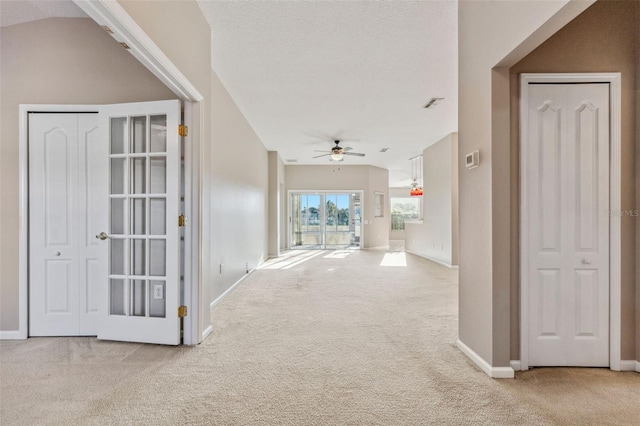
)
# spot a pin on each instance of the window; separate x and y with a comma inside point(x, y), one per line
point(404, 208)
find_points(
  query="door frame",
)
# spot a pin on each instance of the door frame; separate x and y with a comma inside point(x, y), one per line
point(110, 14)
point(615, 166)
point(324, 191)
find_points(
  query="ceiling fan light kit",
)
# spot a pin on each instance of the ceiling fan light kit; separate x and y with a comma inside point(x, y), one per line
point(337, 152)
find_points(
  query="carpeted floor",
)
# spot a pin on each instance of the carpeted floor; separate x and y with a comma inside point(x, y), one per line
point(342, 337)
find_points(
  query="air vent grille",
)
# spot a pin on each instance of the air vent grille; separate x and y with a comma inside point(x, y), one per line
point(432, 102)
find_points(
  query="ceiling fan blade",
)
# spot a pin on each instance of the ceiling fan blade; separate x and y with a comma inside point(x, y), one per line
point(357, 154)
point(347, 148)
point(323, 155)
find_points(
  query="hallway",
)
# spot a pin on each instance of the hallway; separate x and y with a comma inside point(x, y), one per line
point(327, 337)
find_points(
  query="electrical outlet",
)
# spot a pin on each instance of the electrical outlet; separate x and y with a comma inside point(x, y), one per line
point(158, 291)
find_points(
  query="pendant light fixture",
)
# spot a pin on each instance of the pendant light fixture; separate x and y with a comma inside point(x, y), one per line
point(416, 175)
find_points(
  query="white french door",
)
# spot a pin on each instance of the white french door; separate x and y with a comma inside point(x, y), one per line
point(567, 229)
point(141, 293)
point(67, 177)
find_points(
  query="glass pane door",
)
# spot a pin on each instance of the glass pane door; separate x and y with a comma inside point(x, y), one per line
point(138, 211)
point(325, 220)
point(307, 225)
point(337, 233)
point(356, 220)
point(143, 287)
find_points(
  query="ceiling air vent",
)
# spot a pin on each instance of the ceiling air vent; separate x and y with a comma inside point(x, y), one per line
point(432, 102)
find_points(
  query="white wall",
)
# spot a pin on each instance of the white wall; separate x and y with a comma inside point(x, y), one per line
point(368, 179)
point(239, 193)
point(433, 237)
point(54, 61)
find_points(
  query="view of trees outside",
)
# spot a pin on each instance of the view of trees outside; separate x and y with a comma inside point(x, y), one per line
point(404, 208)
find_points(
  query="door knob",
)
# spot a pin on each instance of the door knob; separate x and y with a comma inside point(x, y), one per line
point(102, 236)
point(57, 253)
point(586, 261)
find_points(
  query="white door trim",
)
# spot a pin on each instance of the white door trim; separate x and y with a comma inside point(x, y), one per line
point(126, 30)
point(615, 95)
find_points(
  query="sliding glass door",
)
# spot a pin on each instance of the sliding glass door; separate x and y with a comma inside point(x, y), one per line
point(325, 220)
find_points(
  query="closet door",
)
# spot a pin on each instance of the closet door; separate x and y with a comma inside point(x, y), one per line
point(64, 265)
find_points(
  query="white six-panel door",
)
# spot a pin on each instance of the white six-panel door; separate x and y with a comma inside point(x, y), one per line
point(567, 234)
point(67, 265)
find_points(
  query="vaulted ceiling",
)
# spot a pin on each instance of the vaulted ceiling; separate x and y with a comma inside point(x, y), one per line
point(307, 72)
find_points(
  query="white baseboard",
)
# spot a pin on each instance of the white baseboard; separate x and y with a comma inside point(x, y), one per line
point(207, 331)
point(230, 289)
point(12, 335)
point(377, 248)
point(494, 372)
point(631, 365)
point(516, 364)
point(433, 259)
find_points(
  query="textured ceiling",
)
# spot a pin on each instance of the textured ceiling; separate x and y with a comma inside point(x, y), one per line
point(307, 72)
point(14, 12)
point(304, 73)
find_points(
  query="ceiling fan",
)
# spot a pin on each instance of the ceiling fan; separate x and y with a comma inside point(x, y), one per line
point(337, 152)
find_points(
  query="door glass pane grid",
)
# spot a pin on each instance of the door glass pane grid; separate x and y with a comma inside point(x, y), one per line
point(137, 262)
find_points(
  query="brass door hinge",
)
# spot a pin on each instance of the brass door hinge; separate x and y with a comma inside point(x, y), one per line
point(182, 311)
point(183, 130)
point(182, 221)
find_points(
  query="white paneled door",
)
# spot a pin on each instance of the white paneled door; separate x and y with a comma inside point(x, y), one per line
point(567, 231)
point(142, 293)
point(67, 176)
point(104, 201)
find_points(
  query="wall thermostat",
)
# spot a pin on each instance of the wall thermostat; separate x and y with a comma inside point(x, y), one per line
point(472, 160)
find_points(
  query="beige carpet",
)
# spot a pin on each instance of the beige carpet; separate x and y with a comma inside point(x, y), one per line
point(333, 338)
